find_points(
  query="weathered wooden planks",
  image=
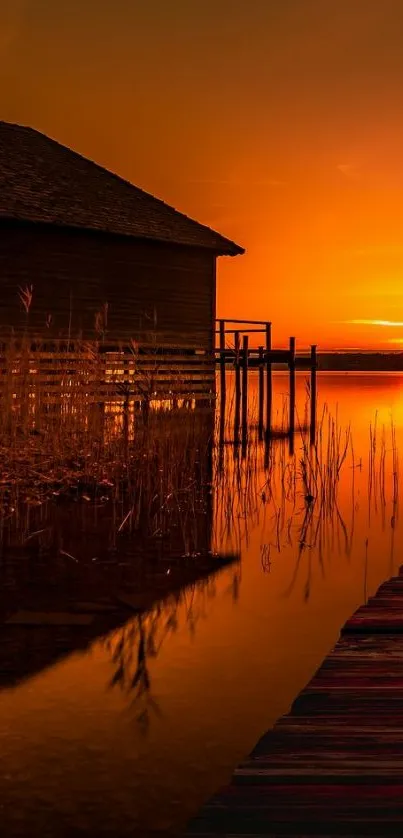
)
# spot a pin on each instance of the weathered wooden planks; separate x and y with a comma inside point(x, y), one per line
point(334, 764)
point(98, 375)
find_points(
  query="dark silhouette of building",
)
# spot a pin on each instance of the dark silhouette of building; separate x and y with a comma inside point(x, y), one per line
point(88, 241)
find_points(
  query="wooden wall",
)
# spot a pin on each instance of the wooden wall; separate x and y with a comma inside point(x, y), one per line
point(165, 292)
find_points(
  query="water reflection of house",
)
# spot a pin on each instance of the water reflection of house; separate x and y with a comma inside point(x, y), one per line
point(80, 574)
point(85, 238)
point(32, 640)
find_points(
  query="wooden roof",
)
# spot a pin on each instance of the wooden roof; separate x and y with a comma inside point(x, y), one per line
point(44, 182)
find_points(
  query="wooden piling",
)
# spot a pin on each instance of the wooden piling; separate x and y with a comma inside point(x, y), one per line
point(262, 359)
point(261, 389)
point(245, 353)
point(222, 362)
point(313, 395)
point(269, 379)
point(291, 442)
point(244, 444)
point(292, 386)
point(237, 405)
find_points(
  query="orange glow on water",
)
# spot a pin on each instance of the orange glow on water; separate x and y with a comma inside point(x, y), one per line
point(249, 638)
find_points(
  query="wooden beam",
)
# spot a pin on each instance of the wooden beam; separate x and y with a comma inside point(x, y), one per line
point(292, 386)
point(222, 362)
point(237, 405)
point(247, 322)
point(269, 379)
point(245, 353)
point(261, 389)
point(313, 395)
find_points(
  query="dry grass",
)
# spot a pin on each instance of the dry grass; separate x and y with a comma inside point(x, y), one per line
point(138, 472)
point(88, 482)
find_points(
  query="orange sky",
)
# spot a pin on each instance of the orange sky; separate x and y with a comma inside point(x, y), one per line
point(279, 122)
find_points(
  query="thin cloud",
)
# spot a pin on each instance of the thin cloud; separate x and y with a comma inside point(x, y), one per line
point(236, 183)
point(349, 170)
point(360, 322)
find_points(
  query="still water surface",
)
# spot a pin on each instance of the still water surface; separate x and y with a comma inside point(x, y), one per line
point(82, 756)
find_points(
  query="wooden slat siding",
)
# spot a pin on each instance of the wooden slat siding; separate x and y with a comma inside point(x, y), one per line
point(334, 764)
point(135, 278)
point(101, 376)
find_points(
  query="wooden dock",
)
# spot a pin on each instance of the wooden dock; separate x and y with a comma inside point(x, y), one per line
point(234, 352)
point(334, 764)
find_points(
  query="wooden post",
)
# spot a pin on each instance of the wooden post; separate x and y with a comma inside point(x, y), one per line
point(237, 364)
point(261, 389)
point(222, 380)
point(292, 386)
point(244, 443)
point(245, 353)
point(237, 405)
point(269, 379)
point(222, 361)
point(291, 437)
point(313, 395)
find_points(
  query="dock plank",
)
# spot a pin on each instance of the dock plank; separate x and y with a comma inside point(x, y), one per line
point(333, 765)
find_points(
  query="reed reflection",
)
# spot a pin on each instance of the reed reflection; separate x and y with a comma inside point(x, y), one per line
point(305, 498)
point(134, 647)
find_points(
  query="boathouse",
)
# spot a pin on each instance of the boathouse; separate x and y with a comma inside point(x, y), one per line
point(97, 253)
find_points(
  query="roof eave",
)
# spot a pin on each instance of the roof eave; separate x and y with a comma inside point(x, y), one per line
point(229, 248)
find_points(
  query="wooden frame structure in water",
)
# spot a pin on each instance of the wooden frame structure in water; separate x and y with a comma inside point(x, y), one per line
point(241, 357)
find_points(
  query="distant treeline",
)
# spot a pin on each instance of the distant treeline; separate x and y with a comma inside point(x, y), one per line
point(384, 361)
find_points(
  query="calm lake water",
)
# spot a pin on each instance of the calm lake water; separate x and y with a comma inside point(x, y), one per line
point(80, 755)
